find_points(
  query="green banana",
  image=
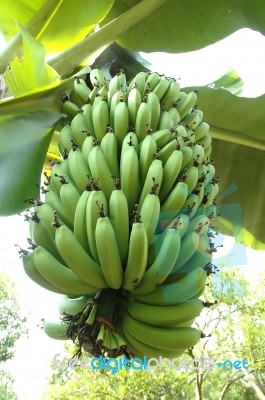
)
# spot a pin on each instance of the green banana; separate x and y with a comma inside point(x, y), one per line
point(56, 330)
point(139, 81)
point(80, 228)
point(93, 94)
point(98, 99)
point(208, 151)
point(191, 178)
point(109, 146)
point(186, 106)
point(201, 257)
point(199, 224)
point(210, 172)
point(162, 137)
point(69, 197)
point(58, 275)
point(198, 154)
point(97, 77)
point(129, 140)
point(119, 218)
point(181, 223)
point(100, 170)
point(189, 245)
point(162, 87)
point(182, 290)
point(176, 199)
point(129, 175)
point(143, 120)
point(155, 172)
point(77, 259)
point(103, 92)
point(114, 86)
point(171, 170)
point(201, 130)
point(79, 128)
point(163, 264)
point(149, 212)
point(167, 150)
point(123, 81)
point(191, 205)
point(79, 169)
point(153, 100)
point(151, 351)
point(193, 119)
point(161, 337)
point(87, 146)
point(148, 150)
point(42, 235)
point(175, 116)
point(116, 98)
point(165, 315)
point(108, 251)
point(68, 108)
point(65, 138)
point(121, 122)
point(54, 201)
point(87, 113)
point(35, 276)
point(186, 156)
point(58, 177)
point(210, 192)
point(171, 95)
point(100, 119)
point(205, 141)
point(137, 255)
point(165, 121)
point(80, 92)
point(46, 214)
point(72, 306)
point(133, 103)
point(151, 82)
point(92, 214)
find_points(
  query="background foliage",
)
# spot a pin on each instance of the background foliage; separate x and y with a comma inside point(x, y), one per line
point(12, 327)
point(237, 331)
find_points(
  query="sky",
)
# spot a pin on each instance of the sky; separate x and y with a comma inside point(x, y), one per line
point(245, 51)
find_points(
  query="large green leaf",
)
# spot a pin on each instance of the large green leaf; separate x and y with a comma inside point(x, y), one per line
point(26, 125)
point(30, 73)
point(241, 199)
point(24, 143)
point(94, 44)
point(238, 127)
point(57, 24)
point(71, 21)
point(180, 26)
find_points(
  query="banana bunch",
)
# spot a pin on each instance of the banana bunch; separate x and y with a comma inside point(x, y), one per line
point(124, 229)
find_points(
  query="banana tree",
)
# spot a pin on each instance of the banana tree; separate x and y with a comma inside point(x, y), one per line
point(51, 42)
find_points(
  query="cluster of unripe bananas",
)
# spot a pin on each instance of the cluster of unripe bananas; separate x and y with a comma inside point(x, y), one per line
point(124, 231)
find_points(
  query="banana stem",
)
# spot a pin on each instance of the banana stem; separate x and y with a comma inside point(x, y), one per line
point(107, 303)
point(95, 43)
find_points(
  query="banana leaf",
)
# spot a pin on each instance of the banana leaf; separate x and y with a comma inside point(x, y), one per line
point(57, 25)
point(27, 124)
point(181, 26)
point(237, 127)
